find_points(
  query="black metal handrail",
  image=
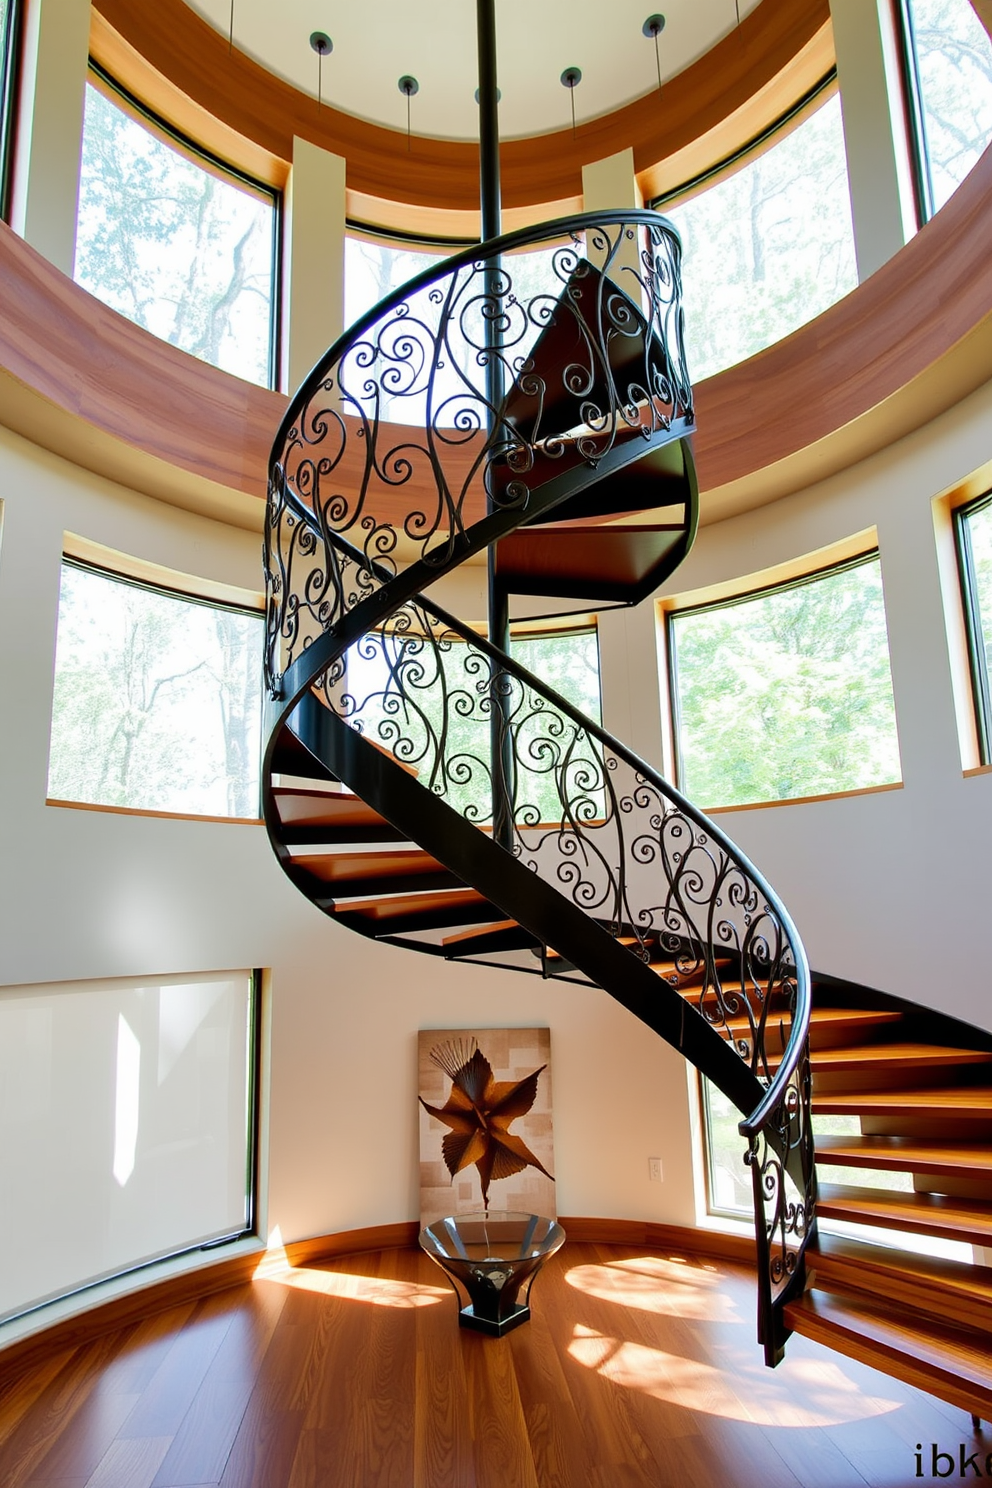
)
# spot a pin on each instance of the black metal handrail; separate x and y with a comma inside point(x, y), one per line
point(613, 817)
point(595, 376)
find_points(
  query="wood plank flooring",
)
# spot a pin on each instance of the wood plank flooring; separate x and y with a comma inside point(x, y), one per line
point(639, 1369)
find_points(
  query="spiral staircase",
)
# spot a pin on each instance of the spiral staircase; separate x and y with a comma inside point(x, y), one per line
point(527, 399)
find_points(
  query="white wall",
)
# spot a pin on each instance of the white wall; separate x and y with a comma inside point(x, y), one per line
point(889, 889)
point(95, 894)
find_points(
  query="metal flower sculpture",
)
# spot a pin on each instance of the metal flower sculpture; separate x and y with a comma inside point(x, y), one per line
point(478, 1112)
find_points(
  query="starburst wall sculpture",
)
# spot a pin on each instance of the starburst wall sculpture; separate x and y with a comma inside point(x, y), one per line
point(479, 1112)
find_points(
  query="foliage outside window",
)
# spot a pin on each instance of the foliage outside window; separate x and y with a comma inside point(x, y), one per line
point(786, 693)
point(973, 528)
point(174, 242)
point(728, 1179)
point(374, 268)
point(157, 700)
point(950, 55)
point(769, 248)
point(567, 661)
point(127, 1126)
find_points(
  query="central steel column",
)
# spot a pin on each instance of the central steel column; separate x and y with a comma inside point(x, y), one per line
point(489, 183)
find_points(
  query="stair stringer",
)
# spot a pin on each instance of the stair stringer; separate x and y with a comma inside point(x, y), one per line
point(360, 592)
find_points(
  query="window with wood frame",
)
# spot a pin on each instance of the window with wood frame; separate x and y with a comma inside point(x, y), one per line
point(176, 240)
point(157, 699)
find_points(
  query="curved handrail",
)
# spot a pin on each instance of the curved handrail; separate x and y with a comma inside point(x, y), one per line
point(522, 237)
point(593, 378)
point(593, 381)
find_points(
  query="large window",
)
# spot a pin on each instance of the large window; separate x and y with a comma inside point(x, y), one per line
point(973, 527)
point(126, 1126)
point(421, 699)
point(157, 700)
point(175, 242)
point(768, 248)
point(418, 367)
point(785, 693)
point(729, 1191)
point(950, 69)
point(373, 268)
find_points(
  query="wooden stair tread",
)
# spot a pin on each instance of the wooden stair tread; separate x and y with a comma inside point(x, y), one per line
point(429, 909)
point(950, 1362)
point(401, 903)
point(465, 935)
point(834, 1016)
point(335, 867)
point(501, 935)
point(910, 1056)
point(958, 1101)
point(318, 816)
point(931, 1214)
point(906, 1154)
point(625, 940)
point(950, 1289)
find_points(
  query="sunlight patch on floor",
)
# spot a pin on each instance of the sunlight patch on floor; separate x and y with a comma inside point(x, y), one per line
point(736, 1392)
point(380, 1291)
point(656, 1285)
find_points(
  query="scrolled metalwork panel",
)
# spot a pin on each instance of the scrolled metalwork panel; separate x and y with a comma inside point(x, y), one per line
point(395, 446)
point(393, 452)
point(612, 840)
point(780, 1156)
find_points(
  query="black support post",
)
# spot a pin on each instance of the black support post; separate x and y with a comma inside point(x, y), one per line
point(491, 214)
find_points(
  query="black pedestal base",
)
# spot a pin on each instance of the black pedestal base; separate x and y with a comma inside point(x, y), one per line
point(495, 1327)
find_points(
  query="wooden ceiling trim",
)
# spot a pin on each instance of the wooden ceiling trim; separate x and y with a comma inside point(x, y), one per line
point(934, 298)
point(82, 381)
point(168, 55)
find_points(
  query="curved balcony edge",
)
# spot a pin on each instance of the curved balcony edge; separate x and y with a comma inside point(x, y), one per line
point(905, 346)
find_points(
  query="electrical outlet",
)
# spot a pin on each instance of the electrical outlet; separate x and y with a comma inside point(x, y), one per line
point(655, 1171)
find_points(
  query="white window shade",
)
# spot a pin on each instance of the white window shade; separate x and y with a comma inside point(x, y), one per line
point(125, 1112)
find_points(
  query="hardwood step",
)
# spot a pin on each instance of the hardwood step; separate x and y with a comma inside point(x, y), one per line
point(504, 935)
point(906, 1155)
point(951, 1290)
point(952, 1363)
point(375, 871)
point(829, 1028)
point(630, 941)
point(403, 913)
point(606, 564)
point(329, 816)
point(913, 1108)
point(969, 1220)
point(891, 1065)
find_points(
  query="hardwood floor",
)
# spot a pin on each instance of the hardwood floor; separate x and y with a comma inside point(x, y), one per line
point(638, 1369)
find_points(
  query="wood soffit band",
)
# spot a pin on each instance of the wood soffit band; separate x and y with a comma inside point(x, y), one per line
point(169, 56)
point(83, 382)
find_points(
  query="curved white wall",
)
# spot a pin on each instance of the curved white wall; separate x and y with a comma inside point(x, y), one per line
point(95, 894)
point(889, 889)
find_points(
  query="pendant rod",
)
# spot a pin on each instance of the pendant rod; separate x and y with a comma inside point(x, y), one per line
point(489, 181)
point(491, 224)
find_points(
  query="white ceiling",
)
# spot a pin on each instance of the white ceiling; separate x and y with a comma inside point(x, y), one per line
point(434, 41)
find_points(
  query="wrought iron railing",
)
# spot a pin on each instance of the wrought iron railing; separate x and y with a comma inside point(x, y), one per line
point(604, 861)
point(394, 445)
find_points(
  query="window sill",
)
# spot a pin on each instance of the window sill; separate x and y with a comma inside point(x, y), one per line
point(868, 790)
point(240, 821)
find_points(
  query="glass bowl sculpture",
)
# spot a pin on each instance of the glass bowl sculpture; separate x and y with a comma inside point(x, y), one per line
point(491, 1261)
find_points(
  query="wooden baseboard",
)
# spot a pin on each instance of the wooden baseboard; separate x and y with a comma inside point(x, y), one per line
point(233, 1271)
point(716, 1243)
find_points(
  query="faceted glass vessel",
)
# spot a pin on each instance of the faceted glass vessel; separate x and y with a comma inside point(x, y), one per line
point(491, 1261)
